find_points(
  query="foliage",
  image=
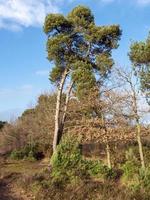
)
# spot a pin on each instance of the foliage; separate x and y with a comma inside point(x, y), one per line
point(2, 124)
point(28, 152)
point(144, 178)
point(131, 166)
point(97, 169)
point(35, 125)
point(85, 179)
point(69, 166)
point(82, 51)
point(17, 155)
point(131, 154)
point(136, 178)
point(130, 169)
point(83, 77)
point(77, 45)
point(140, 57)
point(66, 162)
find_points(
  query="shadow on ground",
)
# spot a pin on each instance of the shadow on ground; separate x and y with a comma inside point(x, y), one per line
point(6, 188)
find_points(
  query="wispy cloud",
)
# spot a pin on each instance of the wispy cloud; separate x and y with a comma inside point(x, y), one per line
point(22, 90)
point(26, 87)
point(42, 72)
point(15, 14)
point(143, 2)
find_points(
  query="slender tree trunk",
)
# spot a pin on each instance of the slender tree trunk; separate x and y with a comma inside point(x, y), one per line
point(57, 113)
point(66, 102)
point(65, 111)
point(108, 155)
point(140, 145)
point(135, 109)
point(107, 144)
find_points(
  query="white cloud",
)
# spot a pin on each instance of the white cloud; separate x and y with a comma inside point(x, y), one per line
point(143, 2)
point(42, 72)
point(17, 13)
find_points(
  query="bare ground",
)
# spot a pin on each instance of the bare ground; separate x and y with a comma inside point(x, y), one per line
point(10, 172)
point(8, 190)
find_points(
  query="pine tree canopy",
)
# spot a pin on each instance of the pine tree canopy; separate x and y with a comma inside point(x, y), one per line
point(140, 57)
point(77, 45)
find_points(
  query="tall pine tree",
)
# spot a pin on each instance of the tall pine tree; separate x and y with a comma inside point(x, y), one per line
point(80, 52)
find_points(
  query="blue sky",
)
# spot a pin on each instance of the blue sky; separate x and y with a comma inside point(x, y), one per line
point(23, 65)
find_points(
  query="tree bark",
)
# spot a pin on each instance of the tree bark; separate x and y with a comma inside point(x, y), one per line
point(108, 155)
point(140, 145)
point(135, 110)
point(65, 111)
point(107, 145)
point(57, 113)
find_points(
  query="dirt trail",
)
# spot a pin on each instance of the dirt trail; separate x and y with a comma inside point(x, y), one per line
point(10, 173)
point(9, 191)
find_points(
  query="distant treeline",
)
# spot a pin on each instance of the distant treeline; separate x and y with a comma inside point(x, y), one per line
point(2, 123)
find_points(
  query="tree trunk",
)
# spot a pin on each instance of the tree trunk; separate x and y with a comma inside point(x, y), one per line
point(107, 145)
point(57, 113)
point(108, 155)
point(65, 111)
point(135, 110)
point(140, 145)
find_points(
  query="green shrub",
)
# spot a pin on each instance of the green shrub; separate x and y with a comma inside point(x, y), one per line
point(17, 154)
point(66, 162)
point(132, 154)
point(146, 151)
point(67, 155)
point(69, 166)
point(28, 152)
point(95, 167)
point(132, 165)
point(136, 178)
point(111, 174)
point(130, 169)
point(141, 182)
point(31, 156)
point(144, 178)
